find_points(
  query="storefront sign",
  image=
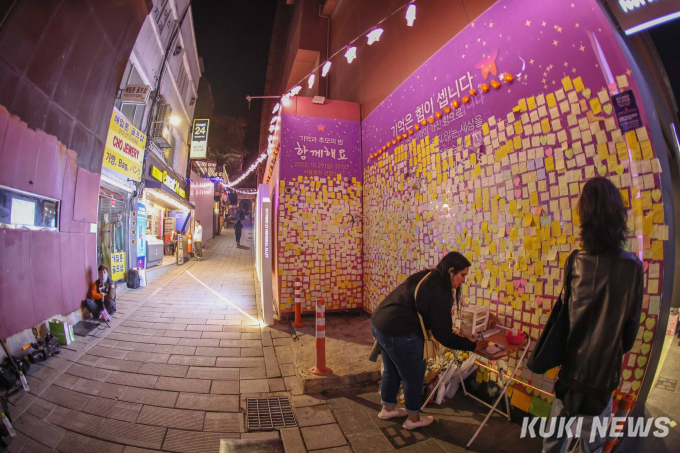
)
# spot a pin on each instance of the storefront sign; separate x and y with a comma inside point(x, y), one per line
point(117, 266)
point(321, 147)
point(199, 139)
point(637, 15)
point(125, 145)
point(168, 180)
point(627, 112)
point(136, 94)
point(141, 235)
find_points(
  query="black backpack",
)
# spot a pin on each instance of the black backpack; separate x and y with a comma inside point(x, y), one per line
point(133, 279)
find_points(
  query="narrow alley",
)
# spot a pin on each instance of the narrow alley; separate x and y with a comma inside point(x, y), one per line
point(173, 371)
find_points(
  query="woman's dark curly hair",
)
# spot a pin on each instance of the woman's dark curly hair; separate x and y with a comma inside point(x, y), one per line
point(603, 217)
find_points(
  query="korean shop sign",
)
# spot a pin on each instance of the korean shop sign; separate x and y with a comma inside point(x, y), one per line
point(136, 94)
point(168, 181)
point(199, 139)
point(117, 266)
point(124, 152)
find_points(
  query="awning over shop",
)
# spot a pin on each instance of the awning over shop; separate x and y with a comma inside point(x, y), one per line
point(166, 182)
point(156, 188)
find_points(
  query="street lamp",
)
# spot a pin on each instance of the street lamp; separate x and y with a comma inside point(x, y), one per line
point(174, 120)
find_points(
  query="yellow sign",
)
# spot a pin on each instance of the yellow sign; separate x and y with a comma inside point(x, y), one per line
point(169, 181)
point(156, 173)
point(125, 145)
point(117, 266)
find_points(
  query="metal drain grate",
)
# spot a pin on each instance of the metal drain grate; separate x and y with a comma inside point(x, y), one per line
point(265, 414)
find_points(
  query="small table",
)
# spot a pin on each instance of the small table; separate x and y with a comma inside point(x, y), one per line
point(498, 339)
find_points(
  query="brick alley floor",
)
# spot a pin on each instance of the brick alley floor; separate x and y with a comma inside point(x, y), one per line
point(182, 355)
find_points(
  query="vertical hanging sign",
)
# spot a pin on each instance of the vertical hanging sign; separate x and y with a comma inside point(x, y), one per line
point(141, 236)
point(199, 139)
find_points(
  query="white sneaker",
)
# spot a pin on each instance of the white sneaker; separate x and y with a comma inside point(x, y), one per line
point(424, 421)
point(386, 415)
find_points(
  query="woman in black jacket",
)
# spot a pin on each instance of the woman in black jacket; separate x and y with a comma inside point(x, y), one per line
point(397, 328)
point(237, 229)
point(607, 285)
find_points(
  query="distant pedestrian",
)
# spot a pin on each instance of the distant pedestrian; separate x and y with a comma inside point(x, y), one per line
point(237, 228)
point(198, 240)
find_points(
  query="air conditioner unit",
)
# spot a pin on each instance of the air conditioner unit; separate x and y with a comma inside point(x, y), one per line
point(160, 129)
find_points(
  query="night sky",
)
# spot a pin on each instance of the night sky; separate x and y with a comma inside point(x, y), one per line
point(233, 38)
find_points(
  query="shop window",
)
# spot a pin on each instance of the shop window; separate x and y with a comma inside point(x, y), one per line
point(133, 112)
point(170, 152)
point(112, 230)
point(23, 210)
point(182, 81)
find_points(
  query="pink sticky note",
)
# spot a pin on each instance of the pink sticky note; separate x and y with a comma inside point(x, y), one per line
point(548, 152)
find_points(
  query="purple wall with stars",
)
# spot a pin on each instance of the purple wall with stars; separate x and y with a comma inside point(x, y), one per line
point(538, 43)
point(499, 178)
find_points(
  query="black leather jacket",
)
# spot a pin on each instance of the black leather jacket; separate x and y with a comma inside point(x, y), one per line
point(604, 314)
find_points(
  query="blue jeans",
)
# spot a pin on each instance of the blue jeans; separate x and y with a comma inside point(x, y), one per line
point(403, 361)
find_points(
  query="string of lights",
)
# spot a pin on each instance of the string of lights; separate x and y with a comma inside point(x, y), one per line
point(372, 35)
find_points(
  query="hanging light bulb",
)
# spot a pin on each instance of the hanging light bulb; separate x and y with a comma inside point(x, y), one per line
point(272, 128)
point(374, 35)
point(326, 68)
point(274, 120)
point(351, 54)
point(410, 15)
point(276, 107)
point(310, 81)
point(296, 89)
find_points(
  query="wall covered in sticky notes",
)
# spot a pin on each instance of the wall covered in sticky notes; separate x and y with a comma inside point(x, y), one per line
point(318, 220)
point(498, 176)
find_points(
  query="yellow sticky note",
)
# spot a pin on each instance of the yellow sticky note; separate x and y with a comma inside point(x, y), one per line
point(518, 127)
point(549, 163)
point(602, 151)
point(522, 105)
point(566, 83)
point(538, 268)
point(473, 159)
point(485, 128)
point(531, 103)
point(533, 198)
point(657, 250)
point(647, 225)
point(467, 140)
point(625, 197)
point(550, 100)
point(657, 213)
point(517, 142)
point(578, 84)
point(646, 147)
point(545, 125)
point(621, 150)
point(595, 106)
point(637, 207)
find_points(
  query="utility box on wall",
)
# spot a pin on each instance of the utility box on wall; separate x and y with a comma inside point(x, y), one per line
point(264, 252)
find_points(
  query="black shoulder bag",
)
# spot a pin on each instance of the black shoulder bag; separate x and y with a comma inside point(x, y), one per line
point(549, 350)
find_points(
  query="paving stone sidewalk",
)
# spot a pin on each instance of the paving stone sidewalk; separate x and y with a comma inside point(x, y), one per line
point(172, 373)
point(182, 355)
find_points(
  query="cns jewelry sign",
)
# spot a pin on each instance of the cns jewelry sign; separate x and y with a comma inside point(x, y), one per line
point(125, 145)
